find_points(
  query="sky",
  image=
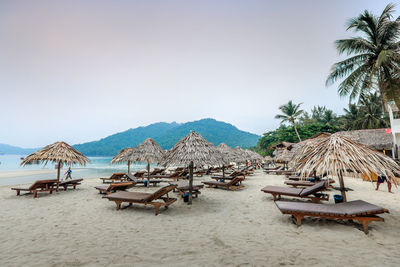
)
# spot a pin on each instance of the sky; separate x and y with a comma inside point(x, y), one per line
point(79, 71)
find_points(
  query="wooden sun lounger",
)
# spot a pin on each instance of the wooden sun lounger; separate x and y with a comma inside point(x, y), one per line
point(358, 210)
point(273, 170)
point(39, 186)
point(305, 183)
point(144, 198)
point(232, 185)
point(229, 176)
point(175, 176)
point(107, 189)
point(115, 177)
point(183, 187)
point(136, 181)
point(70, 183)
point(312, 192)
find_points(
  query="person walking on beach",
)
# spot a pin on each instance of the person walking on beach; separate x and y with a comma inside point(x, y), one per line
point(68, 173)
point(381, 180)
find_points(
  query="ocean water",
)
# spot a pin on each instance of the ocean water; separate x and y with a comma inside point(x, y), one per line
point(12, 173)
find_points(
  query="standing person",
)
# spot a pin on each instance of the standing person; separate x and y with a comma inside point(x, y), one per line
point(68, 173)
point(381, 180)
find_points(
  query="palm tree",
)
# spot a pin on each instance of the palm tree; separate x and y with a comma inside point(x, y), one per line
point(291, 113)
point(371, 115)
point(350, 117)
point(374, 64)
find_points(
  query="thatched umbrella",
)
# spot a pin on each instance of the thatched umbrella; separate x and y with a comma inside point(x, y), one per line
point(123, 156)
point(244, 156)
point(60, 153)
point(254, 155)
point(193, 150)
point(337, 156)
point(148, 151)
point(229, 154)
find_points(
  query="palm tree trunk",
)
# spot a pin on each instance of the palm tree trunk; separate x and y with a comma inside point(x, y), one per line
point(297, 133)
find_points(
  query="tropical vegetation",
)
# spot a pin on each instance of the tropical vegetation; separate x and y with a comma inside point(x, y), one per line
point(374, 59)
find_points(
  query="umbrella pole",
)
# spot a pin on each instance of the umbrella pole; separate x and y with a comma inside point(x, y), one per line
point(223, 170)
point(190, 182)
point(342, 189)
point(129, 166)
point(58, 174)
point(148, 173)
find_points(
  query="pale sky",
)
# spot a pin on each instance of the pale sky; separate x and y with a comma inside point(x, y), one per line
point(78, 71)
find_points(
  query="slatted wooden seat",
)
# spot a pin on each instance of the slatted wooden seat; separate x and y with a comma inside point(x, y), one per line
point(312, 192)
point(155, 199)
point(70, 184)
point(233, 185)
point(39, 186)
point(115, 177)
point(357, 210)
point(108, 189)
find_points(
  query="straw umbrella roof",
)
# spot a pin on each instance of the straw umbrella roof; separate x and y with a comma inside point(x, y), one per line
point(229, 153)
point(59, 152)
point(254, 155)
point(193, 148)
point(243, 154)
point(337, 155)
point(148, 151)
point(268, 158)
point(122, 156)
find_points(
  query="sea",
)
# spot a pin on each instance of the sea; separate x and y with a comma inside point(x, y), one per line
point(11, 173)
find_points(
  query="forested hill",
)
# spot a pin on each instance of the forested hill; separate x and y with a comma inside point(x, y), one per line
point(167, 134)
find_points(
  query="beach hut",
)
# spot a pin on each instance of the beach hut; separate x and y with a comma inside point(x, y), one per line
point(123, 156)
point(193, 150)
point(338, 155)
point(148, 151)
point(60, 153)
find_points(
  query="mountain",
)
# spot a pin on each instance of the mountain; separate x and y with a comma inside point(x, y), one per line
point(167, 134)
point(7, 149)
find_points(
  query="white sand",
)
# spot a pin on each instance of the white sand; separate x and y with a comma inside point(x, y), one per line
point(243, 228)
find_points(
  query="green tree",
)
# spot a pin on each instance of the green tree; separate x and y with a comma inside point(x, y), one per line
point(290, 113)
point(375, 58)
point(350, 117)
point(371, 114)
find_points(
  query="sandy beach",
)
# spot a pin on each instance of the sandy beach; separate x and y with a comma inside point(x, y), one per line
point(243, 228)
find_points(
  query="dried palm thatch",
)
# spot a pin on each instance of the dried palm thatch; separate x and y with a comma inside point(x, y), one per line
point(230, 154)
point(254, 156)
point(123, 156)
point(244, 156)
point(193, 150)
point(60, 153)
point(148, 151)
point(337, 155)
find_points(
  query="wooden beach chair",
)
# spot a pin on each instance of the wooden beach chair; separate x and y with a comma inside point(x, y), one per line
point(107, 189)
point(231, 176)
point(305, 183)
point(233, 185)
point(158, 199)
point(183, 187)
point(136, 181)
point(115, 177)
point(70, 184)
point(175, 175)
point(312, 192)
point(357, 210)
point(39, 186)
point(273, 171)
